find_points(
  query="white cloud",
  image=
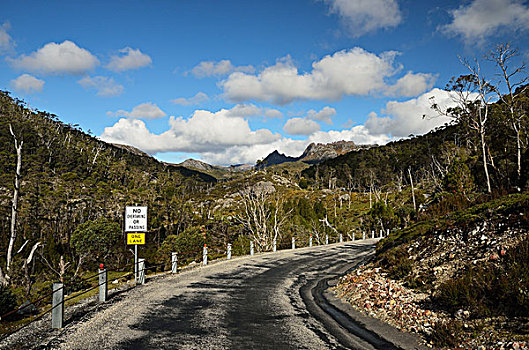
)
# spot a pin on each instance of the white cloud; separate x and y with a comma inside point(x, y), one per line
point(348, 72)
point(364, 16)
point(412, 84)
point(204, 131)
point(225, 137)
point(53, 58)
point(300, 126)
point(323, 115)
point(131, 59)
point(217, 69)
point(404, 118)
point(250, 153)
point(105, 86)
point(146, 110)
point(195, 100)
point(27, 83)
point(251, 110)
point(6, 42)
point(483, 18)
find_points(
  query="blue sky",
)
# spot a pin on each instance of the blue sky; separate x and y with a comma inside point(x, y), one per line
point(230, 81)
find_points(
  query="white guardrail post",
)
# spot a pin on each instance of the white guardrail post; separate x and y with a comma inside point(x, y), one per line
point(363, 234)
point(205, 255)
point(251, 248)
point(174, 262)
point(141, 271)
point(103, 291)
point(228, 253)
point(310, 241)
point(372, 234)
point(274, 245)
point(326, 239)
point(293, 242)
point(57, 312)
point(341, 238)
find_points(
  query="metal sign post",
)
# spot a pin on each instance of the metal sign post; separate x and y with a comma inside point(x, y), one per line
point(135, 227)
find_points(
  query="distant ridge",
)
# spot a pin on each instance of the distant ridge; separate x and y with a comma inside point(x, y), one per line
point(314, 153)
point(200, 165)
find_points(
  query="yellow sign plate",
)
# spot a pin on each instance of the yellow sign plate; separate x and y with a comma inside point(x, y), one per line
point(135, 238)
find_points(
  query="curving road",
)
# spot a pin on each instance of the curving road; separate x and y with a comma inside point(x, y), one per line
point(269, 301)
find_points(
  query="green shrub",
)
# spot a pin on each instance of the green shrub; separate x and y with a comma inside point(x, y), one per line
point(187, 244)
point(396, 262)
point(446, 334)
point(241, 246)
point(8, 300)
point(491, 290)
point(95, 240)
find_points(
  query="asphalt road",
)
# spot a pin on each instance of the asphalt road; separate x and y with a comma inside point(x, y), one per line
point(269, 301)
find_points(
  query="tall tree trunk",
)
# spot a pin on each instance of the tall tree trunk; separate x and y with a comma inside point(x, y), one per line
point(412, 190)
point(484, 156)
point(518, 157)
point(14, 207)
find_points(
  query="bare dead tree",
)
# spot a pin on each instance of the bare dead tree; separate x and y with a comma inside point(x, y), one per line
point(502, 56)
point(412, 190)
point(14, 205)
point(328, 224)
point(472, 94)
point(263, 217)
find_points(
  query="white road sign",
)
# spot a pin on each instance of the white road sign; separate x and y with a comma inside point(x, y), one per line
point(135, 219)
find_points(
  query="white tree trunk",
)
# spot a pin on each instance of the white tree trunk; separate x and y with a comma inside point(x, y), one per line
point(412, 190)
point(14, 207)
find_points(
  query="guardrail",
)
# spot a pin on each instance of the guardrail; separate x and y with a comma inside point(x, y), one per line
point(58, 299)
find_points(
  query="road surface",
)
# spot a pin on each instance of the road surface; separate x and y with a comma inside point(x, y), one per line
point(268, 301)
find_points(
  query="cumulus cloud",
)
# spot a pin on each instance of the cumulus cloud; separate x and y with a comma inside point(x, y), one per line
point(54, 58)
point(6, 42)
point(146, 110)
point(412, 84)
point(27, 83)
point(251, 110)
point(300, 126)
point(204, 131)
point(348, 72)
point(225, 137)
point(404, 118)
point(222, 139)
point(217, 69)
point(364, 16)
point(250, 153)
point(323, 115)
point(483, 18)
point(195, 100)
point(130, 59)
point(105, 86)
